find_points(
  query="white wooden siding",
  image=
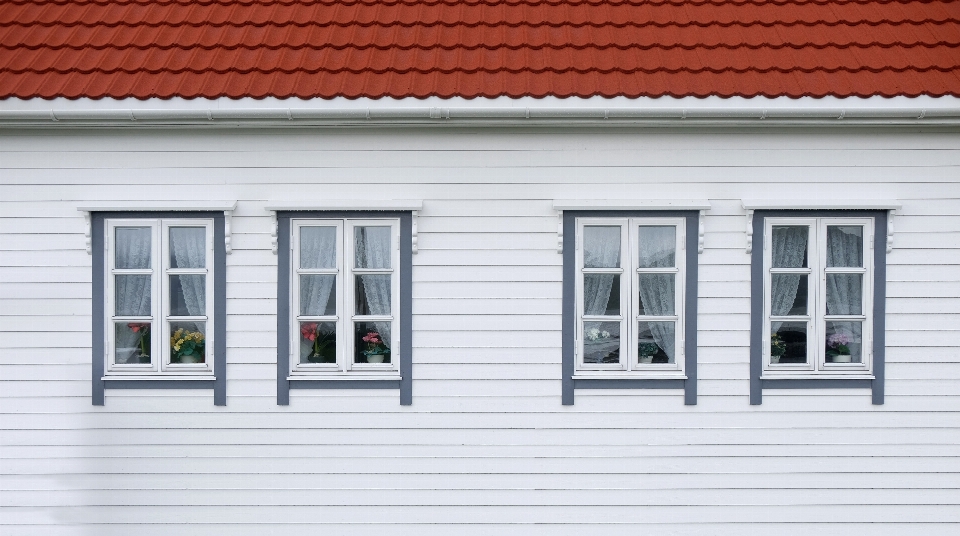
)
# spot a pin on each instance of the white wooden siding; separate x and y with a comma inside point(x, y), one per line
point(486, 447)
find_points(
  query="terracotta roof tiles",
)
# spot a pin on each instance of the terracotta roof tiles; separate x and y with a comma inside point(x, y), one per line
point(473, 48)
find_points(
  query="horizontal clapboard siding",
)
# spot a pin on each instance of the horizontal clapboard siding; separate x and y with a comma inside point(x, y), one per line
point(486, 446)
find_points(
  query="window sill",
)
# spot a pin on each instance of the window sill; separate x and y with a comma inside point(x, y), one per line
point(810, 376)
point(604, 375)
point(163, 377)
point(343, 376)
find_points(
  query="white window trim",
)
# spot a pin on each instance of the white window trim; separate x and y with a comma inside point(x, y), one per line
point(816, 366)
point(629, 300)
point(160, 366)
point(344, 368)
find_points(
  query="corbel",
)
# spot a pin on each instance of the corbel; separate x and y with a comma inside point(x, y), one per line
point(701, 232)
point(227, 231)
point(749, 231)
point(890, 230)
point(87, 232)
point(413, 231)
point(559, 231)
point(274, 232)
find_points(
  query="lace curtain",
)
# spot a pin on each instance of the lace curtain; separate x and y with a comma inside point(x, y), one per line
point(372, 250)
point(132, 296)
point(318, 249)
point(788, 250)
point(844, 291)
point(658, 291)
point(601, 249)
point(188, 250)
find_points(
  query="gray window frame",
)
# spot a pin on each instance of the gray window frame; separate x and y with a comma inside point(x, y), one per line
point(405, 351)
point(876, 385)
point(98, 336)
point(569, 317)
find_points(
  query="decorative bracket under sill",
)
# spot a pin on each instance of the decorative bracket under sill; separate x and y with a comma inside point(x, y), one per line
point(749, 231)
point(701, 232)
point(88, 231)
point(559, 231)
point(890, 229)
point(274, 232)
point(413, 230)
point(228, 231)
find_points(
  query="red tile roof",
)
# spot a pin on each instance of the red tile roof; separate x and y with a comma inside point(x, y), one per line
point(478, 48)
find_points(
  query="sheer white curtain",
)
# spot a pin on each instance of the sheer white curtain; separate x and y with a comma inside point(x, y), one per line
point(373, 250)
point(318, 249)
point(601, 249)
point(844, 291)
point(658, 291)
point(132, 292)
point(788, 250)
point(188, 250)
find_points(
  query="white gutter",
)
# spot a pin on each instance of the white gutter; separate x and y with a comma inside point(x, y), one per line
point(664, 112)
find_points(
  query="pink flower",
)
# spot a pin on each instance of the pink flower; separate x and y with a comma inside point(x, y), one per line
point(308, 331)
point(372, 337)
point(134, 327)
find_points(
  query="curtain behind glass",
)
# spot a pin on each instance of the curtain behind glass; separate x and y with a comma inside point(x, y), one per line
point(373, 251)
point(658, 291)
point(789, 249)
point(188, 249)
point(601, 249)
point(844, 249)
point(318, 249)
point(132, 293)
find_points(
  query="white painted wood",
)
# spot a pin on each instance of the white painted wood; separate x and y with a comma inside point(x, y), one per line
point(486, 446)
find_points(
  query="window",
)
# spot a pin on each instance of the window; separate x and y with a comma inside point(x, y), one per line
point(159, 297)
point(345, 294)
point(629, 310)
point(815, 309)
point(818, 297)
point(344, 298)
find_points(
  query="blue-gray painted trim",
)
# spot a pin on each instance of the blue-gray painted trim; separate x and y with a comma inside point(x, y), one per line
point(283, 310)
point(629, 383)
point(162, 384)
point(345, 384)
point(98, 331)
point(879, 307)
point(569, 318)
point(405, 359)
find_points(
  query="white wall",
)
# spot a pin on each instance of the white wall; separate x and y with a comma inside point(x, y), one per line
point(486, 447)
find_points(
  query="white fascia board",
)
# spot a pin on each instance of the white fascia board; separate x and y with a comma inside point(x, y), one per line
point(159, 206)
point(820, 204)
point(631, 204)
point(501, 111)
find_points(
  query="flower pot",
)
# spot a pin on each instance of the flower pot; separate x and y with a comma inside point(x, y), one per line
point(845, 358)
point(192, 358)
point(646, 359)
point(774, 359)
point(375, 358)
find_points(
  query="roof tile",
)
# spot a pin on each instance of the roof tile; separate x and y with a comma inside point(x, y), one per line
point(473, 48)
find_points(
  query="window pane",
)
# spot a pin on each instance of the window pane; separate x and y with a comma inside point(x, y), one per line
point(657, 294)
point(318, 342)
point(188, 342)
point(133, 248)
point(372, 342)
point(844, 342)
point(788, 294)
point(601, 294)
point(132, 342)
point(844, 294)
point(788, 344)
point(188, 295)
point(658, 246)
point(373, 294)
point(845, 246)
point(601, 247)
point(656, 342)
point(601, 342)
point(132, 295)
point(790, 246)
point(372, 247)
point(188, 247)
point(318, 247)
point(318, 295)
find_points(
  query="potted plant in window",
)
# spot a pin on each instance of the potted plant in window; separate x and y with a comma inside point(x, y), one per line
point(646, 351)
point(142, 352)
point(323, 344)
point(187, 346)
point(838, 349)
point(376, 348)
point(778, 348)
